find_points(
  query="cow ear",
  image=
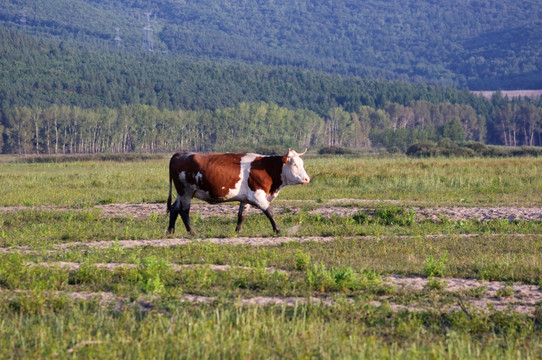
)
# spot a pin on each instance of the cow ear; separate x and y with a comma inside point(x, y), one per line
point(286, 157)
point(291, 153)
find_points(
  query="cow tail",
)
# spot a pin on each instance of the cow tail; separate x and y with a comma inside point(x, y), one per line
point(169, 197)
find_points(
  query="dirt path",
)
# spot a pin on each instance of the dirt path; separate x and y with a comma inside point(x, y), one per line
point(242, 240)
point(338, 207)
point(350, 208)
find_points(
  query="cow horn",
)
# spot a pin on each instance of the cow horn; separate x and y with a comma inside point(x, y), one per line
point(303, 153)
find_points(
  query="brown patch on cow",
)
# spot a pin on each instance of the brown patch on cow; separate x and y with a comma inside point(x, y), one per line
point(265, 174)
point(219, 172)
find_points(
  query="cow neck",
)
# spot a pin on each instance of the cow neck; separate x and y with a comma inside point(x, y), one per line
point(267, 170)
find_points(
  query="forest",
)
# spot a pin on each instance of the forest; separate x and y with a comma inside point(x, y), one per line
point(66, 96)
point(480, 44)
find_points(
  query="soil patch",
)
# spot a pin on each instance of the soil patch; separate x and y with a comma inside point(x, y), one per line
point(432, 213)
point(334, 207)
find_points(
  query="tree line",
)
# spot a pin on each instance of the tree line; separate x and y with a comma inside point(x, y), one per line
point(248, 126)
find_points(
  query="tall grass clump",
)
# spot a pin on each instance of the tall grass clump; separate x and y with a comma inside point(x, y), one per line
point(435, 266)
point(344, 278)
point(151, 275)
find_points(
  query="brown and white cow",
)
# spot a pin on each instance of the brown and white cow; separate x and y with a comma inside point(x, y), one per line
point(251, 179)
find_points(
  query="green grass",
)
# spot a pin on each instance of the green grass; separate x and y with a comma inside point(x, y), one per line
point(442, 181)
point(81, 184)
point(44, 228)
point(141, 314)
point(512, 181)
point(88, 330)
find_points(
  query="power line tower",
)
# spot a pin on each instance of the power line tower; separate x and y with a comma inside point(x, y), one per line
point(23, 19)
point(117, 37)
point(147, 35)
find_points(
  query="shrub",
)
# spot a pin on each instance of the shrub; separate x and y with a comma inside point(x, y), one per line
point(302, 260)
point(469, 149)
point(334, 150)
point(436, 284)
point(394, 215)
point(435, 267)
point(361, 218)
point(344, 278)
point(477, 147)
point(87, 157)
point(526, 151)
point(457, 152)
point(151, 275)
point(422, 149)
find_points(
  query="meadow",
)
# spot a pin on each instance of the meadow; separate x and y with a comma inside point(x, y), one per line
point(376, 281)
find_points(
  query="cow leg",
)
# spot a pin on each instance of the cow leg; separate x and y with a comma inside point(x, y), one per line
point(269, 213)
point(173, 213)
point(185, 215)
point(243, 207)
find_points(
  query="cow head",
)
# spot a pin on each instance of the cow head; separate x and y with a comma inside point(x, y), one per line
point(293, 172)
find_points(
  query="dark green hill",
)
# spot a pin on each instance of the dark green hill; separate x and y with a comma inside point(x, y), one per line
point(41, 72)
point(482, 44)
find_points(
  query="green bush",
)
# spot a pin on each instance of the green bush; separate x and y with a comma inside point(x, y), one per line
point(435, 266)
point(302, 260)
point(477, 147)
point(422, 149)
point(393, 215)
point(151, 273)
point(87, 157)
point(448, 148)
point(334, 150)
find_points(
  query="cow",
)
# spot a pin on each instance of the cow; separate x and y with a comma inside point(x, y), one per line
point(251, 179)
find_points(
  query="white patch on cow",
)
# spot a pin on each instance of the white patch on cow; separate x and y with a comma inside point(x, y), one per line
point(199, 178)
point(189, 189)
point(240, 190)
point(259, 198)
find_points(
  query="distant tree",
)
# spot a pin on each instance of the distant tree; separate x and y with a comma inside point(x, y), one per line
point(529, 119)
point(19, 130)
point(504, 120)
point(1, 138)
point(454, 131)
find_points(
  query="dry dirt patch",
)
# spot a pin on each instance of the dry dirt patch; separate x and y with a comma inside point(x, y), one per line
point(453, 213)
point(333, 207)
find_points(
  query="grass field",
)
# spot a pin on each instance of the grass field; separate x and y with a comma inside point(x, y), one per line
point(375, 282)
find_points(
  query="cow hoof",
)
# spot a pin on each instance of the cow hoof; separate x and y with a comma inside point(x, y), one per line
point(171, 231)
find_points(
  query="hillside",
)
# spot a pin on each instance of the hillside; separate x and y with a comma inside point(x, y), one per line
point(481, 44)
point(42, 72)
point(68, 87)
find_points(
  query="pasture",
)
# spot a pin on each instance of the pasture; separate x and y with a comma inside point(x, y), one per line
point(377, 258)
